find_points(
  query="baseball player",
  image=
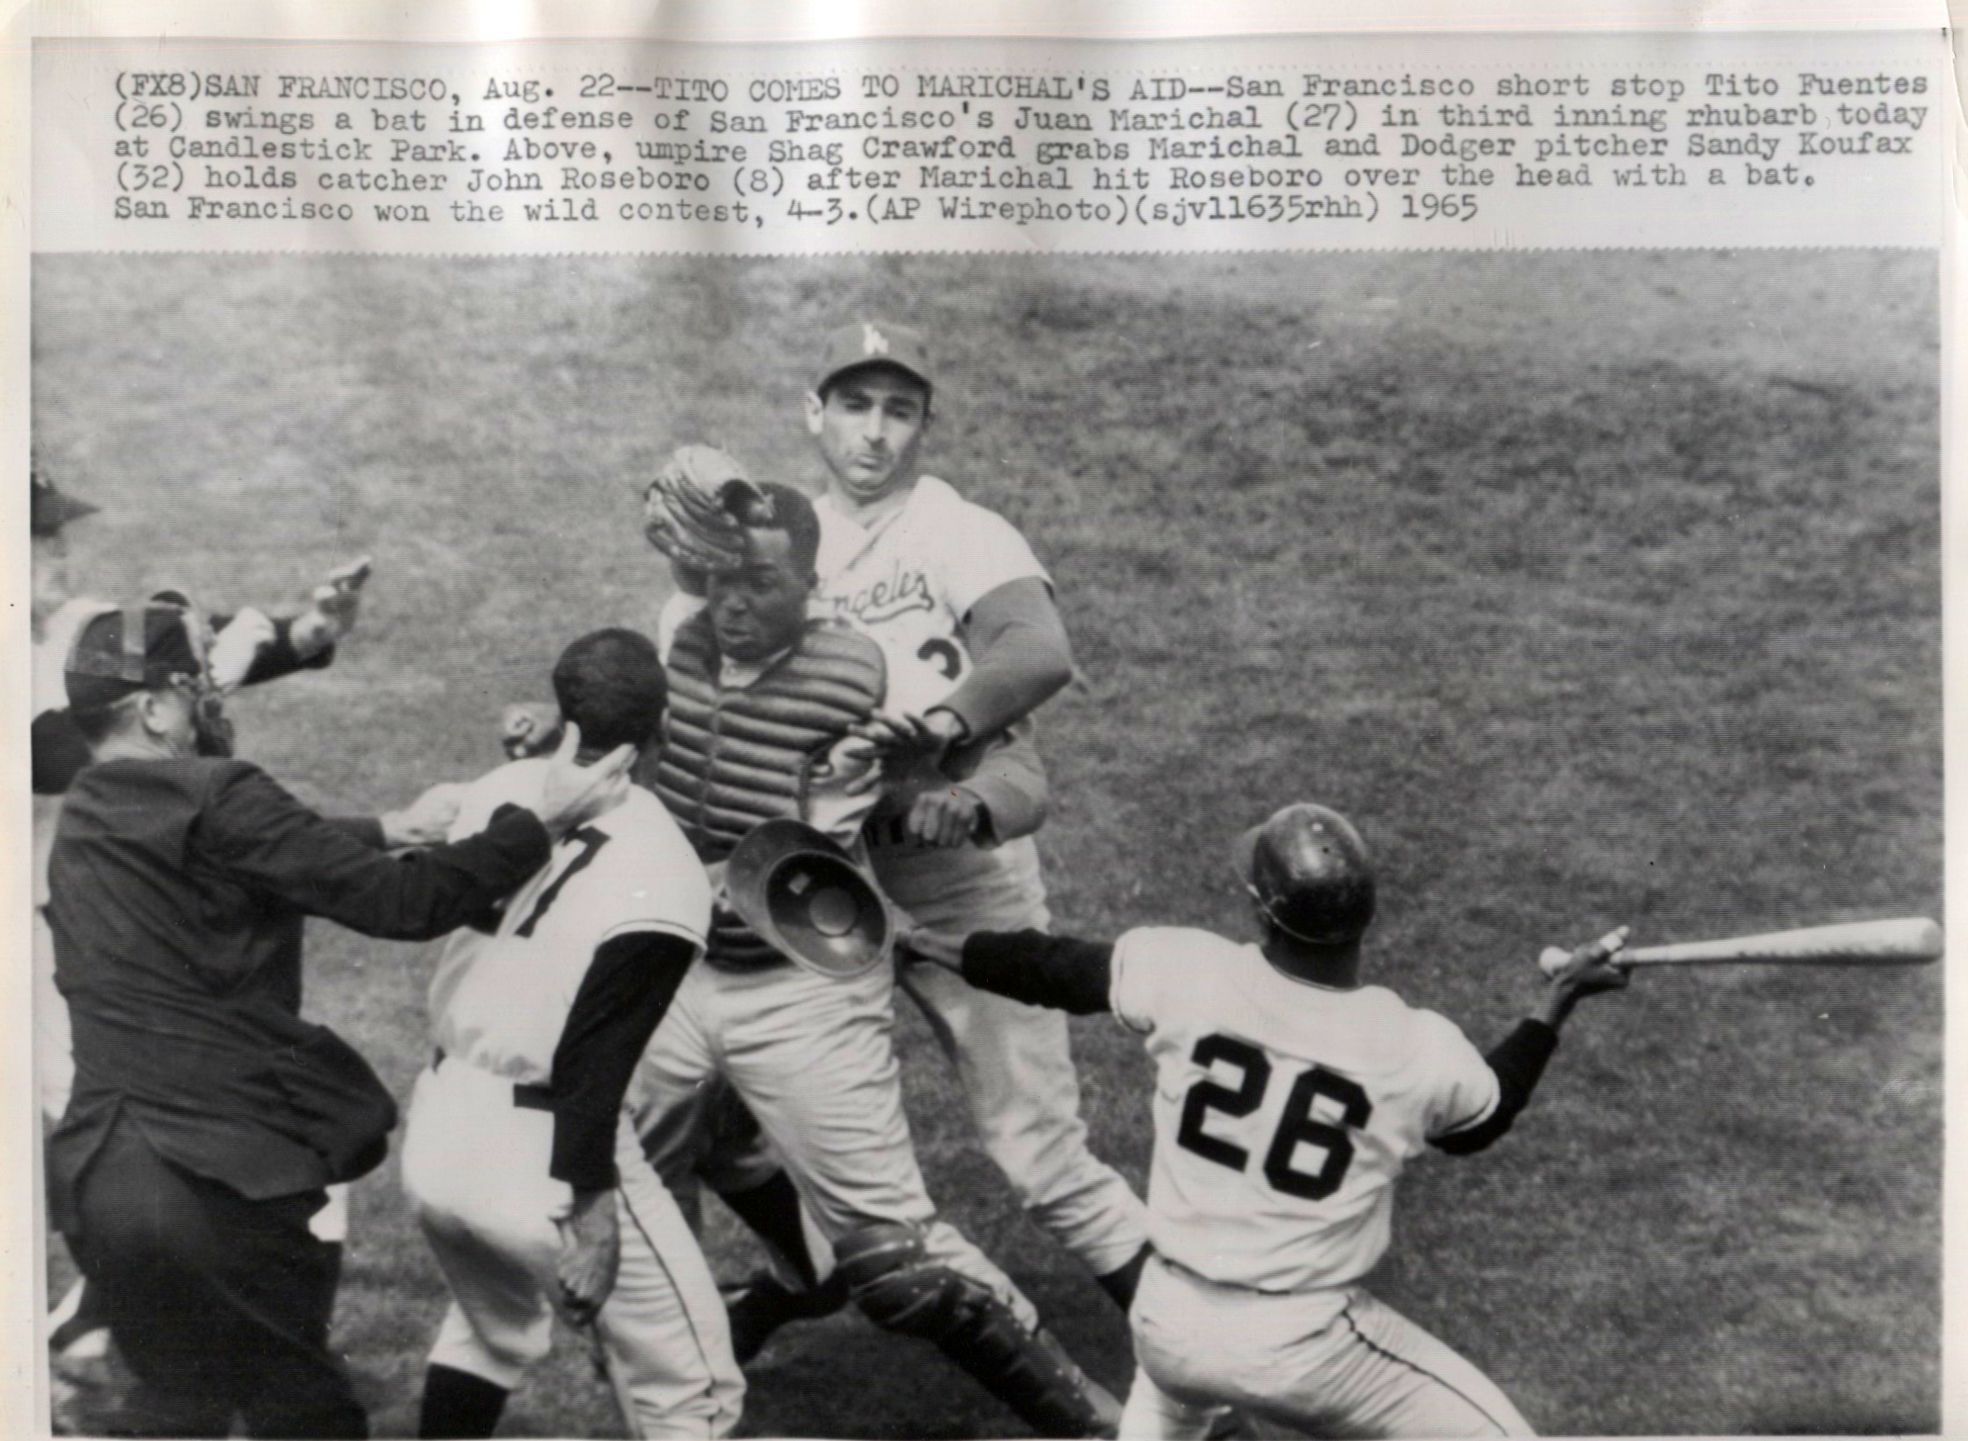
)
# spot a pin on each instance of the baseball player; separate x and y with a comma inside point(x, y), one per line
point(1288, 1097)
point(248, 647)
point(511, 1155)
point(965, 617)
point(763, 704)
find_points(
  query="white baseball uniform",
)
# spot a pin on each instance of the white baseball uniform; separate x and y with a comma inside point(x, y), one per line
point(1283, 1113)
point(480, 1143)
point(908, 580)
point(812, 1057)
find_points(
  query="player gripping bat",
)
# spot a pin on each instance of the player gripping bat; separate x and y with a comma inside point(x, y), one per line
point(1907, 941)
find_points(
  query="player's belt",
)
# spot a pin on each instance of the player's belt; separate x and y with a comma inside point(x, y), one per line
point(526, 1095)
point(1195, 1275)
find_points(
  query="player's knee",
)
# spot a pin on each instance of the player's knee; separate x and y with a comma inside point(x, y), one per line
point(887, 1270)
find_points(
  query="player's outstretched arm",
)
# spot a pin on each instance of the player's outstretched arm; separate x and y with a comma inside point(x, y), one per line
point(251, 647)
point(1039, 969)
point(1520, 1058)
point(630, 982)
point(426, 821)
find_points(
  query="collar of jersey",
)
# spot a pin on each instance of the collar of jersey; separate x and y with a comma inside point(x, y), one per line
point(928, 494)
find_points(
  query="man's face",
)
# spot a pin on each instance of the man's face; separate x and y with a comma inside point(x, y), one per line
point(869, 427)
point(758, 609)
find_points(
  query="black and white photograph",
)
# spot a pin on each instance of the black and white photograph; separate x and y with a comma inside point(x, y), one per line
point(1337, 844)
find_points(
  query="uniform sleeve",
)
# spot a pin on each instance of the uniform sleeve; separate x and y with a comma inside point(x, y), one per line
point(982, 553)
point(1019, 657)
point(1463, 1089)
point(1139, 961)
point(256, 831)
point(1515, 1064)
point(1009, 779)
point(627, 989)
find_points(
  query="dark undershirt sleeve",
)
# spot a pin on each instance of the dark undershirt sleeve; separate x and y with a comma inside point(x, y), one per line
point(278, 657)
point(628, 987)
point(1518, 1060)
point(1041, 970)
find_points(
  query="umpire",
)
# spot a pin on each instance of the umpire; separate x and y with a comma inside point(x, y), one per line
point(207, 1116)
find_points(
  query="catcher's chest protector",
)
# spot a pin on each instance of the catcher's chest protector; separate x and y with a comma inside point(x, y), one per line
point(732, 758)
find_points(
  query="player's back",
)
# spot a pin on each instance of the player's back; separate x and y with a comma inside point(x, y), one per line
point(499, 996)
point(1284, 1111)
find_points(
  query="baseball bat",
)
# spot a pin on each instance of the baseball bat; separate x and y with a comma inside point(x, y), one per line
point(1906, 941)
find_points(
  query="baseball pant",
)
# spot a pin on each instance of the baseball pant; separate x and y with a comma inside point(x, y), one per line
point(813, 1059)
point(1015, 1061)
point(219, 1305)
point(1333, 1363)
point(476, 1168)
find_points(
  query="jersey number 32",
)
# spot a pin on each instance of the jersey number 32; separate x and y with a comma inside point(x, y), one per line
point(1297, 1126)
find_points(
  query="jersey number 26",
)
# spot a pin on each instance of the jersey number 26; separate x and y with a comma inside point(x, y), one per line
point(1296, 1125)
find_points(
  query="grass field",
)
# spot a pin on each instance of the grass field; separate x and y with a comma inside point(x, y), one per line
point(1596, 587)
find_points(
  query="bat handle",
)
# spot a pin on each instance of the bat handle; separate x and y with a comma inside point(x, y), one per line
point(1554, 958)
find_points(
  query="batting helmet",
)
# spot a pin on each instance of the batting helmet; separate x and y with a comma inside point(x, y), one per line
point(803, 895)
point(1307, 869)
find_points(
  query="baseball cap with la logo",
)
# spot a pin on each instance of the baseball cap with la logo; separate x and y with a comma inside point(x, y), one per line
point(874, 342)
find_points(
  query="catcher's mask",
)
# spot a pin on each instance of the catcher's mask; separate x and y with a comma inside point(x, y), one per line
point(803, 894)
point(1307, 870)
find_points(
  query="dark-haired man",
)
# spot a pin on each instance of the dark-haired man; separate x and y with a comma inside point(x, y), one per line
point(956, 597)
point(764, 702)
point(1289, 1095)
point(207, 1117)
point(538, 1019)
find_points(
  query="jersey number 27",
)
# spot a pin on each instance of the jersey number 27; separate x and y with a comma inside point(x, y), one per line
point(1296, 1125)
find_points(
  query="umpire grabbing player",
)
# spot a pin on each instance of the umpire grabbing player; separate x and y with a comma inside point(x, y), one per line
point(207, 1117)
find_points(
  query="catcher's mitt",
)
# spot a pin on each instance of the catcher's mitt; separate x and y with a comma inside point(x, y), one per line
point(686, 510)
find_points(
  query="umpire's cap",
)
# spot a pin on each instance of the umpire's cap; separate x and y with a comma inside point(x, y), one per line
point(49, 509)
point(120, 652)
point(804, 896)
point(1307, 869)
point(865, 343)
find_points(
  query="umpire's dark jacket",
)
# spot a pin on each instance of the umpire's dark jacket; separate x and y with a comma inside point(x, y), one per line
point(177, 893)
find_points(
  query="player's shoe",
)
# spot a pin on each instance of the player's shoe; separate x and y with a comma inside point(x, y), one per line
point(759, 1307)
